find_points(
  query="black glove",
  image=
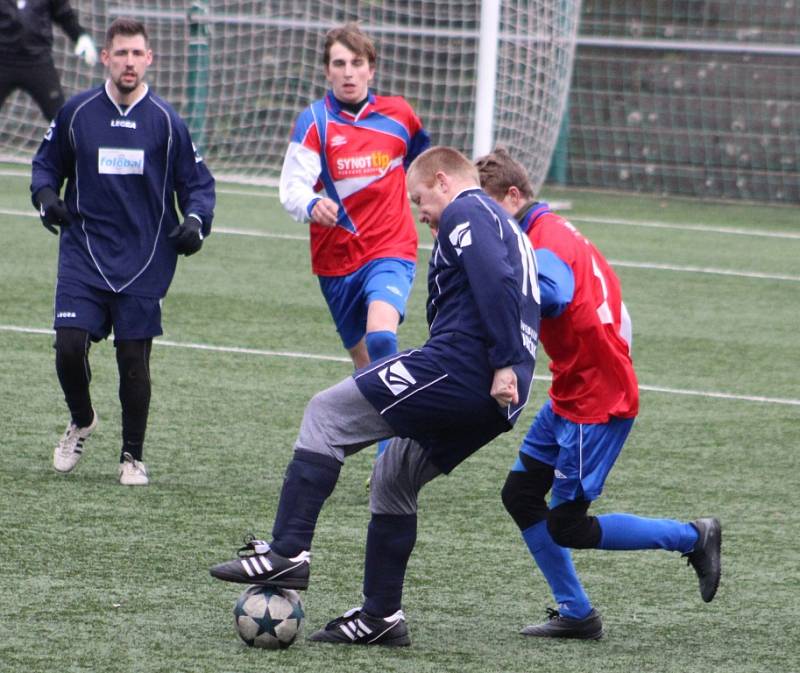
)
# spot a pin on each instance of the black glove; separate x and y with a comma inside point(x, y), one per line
point(188, 237)
point(52, 210)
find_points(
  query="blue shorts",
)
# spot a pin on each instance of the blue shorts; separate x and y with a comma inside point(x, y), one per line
point(418, 399)
point(581, 453)
point(98, 311)
point(349, 297)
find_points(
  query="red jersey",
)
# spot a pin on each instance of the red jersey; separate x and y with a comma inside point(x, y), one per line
point(359, 161)
point(588, 341)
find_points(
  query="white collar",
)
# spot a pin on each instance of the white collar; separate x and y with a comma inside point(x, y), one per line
point(132, 105)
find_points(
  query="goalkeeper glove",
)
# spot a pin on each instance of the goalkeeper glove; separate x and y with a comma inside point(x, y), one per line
point(52, 210)
point(85, 47)
point(188, 237)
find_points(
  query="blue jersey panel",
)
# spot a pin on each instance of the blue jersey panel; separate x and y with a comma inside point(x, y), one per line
point(556, 282)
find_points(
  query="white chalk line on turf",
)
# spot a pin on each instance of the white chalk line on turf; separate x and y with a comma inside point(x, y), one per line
point(733, 231)
point(270, 191)
point(232, 231)
point(339, 358)
point(699, 269)
point(619, 263)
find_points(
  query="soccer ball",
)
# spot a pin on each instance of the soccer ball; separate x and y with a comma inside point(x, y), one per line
point(268, 617)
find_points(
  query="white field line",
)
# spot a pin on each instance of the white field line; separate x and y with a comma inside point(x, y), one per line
point(231, 231)
point(619, 263)
point(337, 358)
point(653, 266)
point(699, 269)
point(271, 192)
point(732, 231)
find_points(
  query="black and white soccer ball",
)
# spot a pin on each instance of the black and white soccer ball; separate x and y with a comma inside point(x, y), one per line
point(268, 617)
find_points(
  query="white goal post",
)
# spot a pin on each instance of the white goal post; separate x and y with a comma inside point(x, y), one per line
point(478, 73)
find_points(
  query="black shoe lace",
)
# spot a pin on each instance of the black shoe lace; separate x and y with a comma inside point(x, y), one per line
point(553, 614)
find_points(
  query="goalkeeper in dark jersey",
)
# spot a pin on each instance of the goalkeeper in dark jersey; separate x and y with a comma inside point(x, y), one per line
point(126, 157)
point(26, 49)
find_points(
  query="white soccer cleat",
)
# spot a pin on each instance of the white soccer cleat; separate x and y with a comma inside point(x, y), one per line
point(132, 472)
point(69, 449)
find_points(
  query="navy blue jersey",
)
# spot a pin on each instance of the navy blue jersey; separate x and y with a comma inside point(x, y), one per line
point(483, 313)
point(124, 170)
point(483, 296)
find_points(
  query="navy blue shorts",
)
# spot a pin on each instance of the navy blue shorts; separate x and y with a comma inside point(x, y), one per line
point(581, 453)
point(419, 400)
point(98, 311)
point(349, 297)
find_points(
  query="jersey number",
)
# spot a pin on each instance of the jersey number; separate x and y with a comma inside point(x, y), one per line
point(604, 310)
point(528, 259)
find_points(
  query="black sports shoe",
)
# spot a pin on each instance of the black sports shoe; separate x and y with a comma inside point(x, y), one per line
point(356, 627)
point(706, 557)
point(258, 564)
point(556, 626)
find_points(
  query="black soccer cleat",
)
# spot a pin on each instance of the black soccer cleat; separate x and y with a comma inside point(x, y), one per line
point(706, 557)
point(356, 627)
point(258, 564)
point(557, 626)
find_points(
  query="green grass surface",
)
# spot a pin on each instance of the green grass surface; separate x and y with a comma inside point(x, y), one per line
point(96, 577)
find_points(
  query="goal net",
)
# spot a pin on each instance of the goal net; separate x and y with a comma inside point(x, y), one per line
point(240, 71)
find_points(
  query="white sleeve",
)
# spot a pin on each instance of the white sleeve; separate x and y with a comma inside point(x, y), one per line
point(300, 172)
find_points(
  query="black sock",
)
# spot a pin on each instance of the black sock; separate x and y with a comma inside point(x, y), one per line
point(133, 362)
point(310, 479)
point(74, 374)
point(390, 541)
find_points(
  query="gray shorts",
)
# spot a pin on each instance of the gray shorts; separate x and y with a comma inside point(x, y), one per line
point(339, 422)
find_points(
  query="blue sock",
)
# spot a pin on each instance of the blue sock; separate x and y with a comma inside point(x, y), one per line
point(627, 531)
point(310, 479)
point(556, 565)
point(390, 541)
point(380, 344)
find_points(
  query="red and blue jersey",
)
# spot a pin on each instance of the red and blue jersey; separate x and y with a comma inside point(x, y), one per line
point(358, 161)
point(586, 329)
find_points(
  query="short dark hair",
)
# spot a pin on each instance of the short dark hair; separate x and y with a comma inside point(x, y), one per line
point(125, 26)
point(499, 172)
point(352, 37)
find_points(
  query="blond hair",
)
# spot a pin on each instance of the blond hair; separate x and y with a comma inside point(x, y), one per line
point(442, 159)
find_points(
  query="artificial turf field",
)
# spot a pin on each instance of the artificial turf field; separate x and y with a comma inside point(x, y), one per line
point(102, 578)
